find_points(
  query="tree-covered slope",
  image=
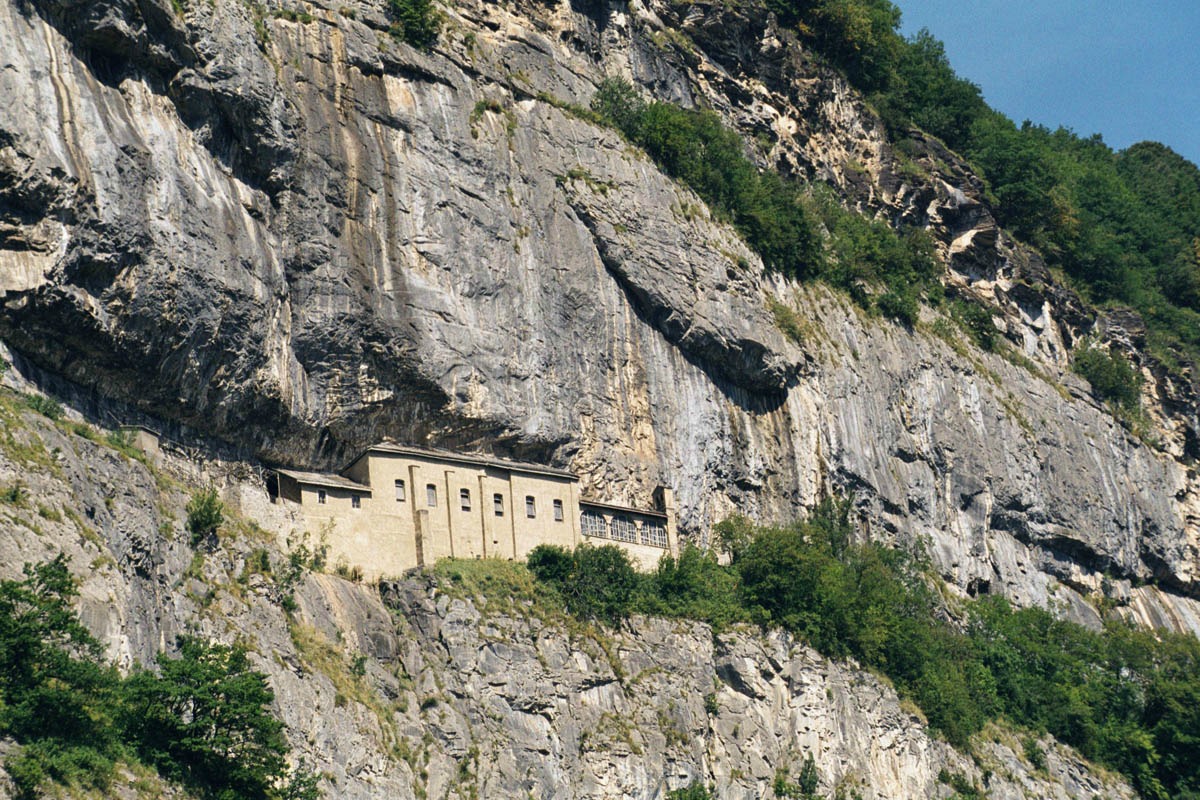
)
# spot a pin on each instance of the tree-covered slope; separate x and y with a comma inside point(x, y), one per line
point(1121, 226)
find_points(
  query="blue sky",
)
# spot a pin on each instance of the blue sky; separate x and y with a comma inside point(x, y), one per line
point(1126, 69)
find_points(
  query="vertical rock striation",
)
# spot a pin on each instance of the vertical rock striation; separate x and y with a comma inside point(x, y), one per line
point(300, 235)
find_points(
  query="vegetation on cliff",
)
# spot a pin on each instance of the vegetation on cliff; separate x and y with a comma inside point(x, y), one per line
point(781, 220)
point(203, 719)
point(1122, 227)
point(1126, 698)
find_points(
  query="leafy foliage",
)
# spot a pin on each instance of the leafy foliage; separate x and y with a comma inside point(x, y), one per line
point(417, 22)
point(595, 582)
point(205, 720)
point(1124, 227)
point(1111, 375)
point(696, 148)
point(205, 513)
point(46, 406)
point(57, 700)
point(1126, 698)
point(778, 219)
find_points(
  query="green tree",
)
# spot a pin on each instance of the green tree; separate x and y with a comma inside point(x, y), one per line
point(54, 698)
point(206, 721)
point(1111, 375)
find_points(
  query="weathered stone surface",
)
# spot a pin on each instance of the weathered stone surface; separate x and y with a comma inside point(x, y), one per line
point(301, 237)
point(408, 690)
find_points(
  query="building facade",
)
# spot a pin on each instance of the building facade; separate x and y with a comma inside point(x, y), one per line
point(395, 508)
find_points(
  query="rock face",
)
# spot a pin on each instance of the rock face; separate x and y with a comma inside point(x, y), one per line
point(416, 689)
point(299, 235)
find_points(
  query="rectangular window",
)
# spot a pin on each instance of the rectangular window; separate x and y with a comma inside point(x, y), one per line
point(399, 491)
point(530, 508)
point(355, 501)
point(654, 534)
point(321, 496)
point(430, 495)
point(593, 524)
point(498, 502)
point(464, 499)
point(623, 529)
point(558, 511)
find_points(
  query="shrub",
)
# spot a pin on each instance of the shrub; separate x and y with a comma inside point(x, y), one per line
point(46, 406)
point(417, 22)
point(205, 720)
point(205, 513)
point(14, 495)
point(58, 701)
point(594, 582)
point(694, 586)
point(1111, 375)
point(976, 320)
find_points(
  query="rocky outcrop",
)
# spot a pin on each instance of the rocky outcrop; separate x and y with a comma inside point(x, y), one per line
point(298, 235)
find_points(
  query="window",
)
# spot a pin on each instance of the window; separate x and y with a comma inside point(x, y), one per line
point(355, 501)
point(530, 508)
point(498, 502)
point(558, 511)
point(593, 524)
point(430, 495)
point(464, 499)
point(654, 534)
point(399, 491)
point(321, 496)
point(623, 529)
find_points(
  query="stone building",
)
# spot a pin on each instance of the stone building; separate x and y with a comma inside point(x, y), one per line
point(395, 508)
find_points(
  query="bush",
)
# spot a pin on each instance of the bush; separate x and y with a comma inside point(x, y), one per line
point(976, 320)
point(57, 700)
point(777, 219)
point(1111, 375)
point(14, 494)
point(1126, 698)
point(205, 721)
point(417, 22)
point(205, 513)
point(594, 582)
point(46, 406)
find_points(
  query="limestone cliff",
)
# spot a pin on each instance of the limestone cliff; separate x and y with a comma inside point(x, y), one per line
point(422, 688)
point(291, 233)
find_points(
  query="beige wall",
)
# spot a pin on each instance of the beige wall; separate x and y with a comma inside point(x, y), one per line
point(542, 528)
point(358, 537)
point(385, 537)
